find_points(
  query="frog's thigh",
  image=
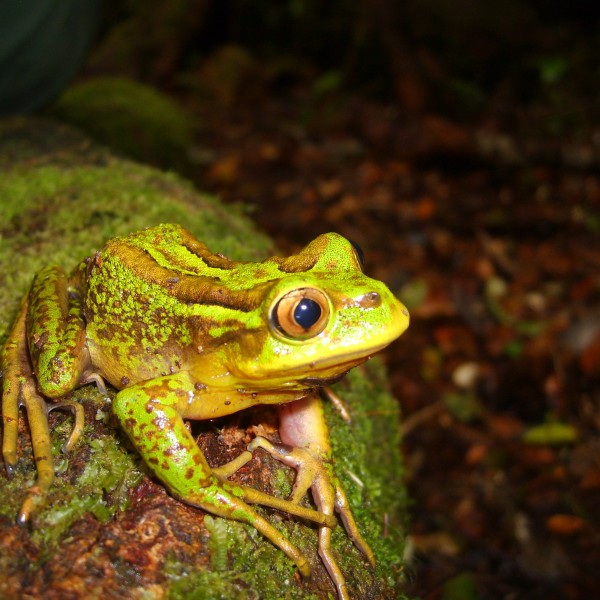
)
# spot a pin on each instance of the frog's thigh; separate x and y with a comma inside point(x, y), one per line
point(56, 333)
point(150, 414)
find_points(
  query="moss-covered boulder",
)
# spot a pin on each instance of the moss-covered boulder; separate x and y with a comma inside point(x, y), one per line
point(130, 117)
point(108, 529)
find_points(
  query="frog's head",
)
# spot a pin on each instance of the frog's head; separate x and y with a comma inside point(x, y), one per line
point(319, 316)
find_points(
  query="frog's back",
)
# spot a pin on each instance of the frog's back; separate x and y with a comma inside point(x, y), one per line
point(169, 246)
point(151, 298)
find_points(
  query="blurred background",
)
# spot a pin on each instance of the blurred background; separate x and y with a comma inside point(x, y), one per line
point(458, 143)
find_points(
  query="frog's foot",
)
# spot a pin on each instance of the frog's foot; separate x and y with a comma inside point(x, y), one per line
point(253, 496)
point(314, 472)
point(98, 380)
point(24, 392)
point(18, 390)
point(222, 500)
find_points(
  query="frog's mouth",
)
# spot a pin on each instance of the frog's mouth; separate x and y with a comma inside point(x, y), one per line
point(333, 369)
point(322, 381)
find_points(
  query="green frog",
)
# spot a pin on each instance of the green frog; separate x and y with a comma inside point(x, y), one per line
point(183, 333)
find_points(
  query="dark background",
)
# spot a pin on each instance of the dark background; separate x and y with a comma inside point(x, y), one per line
point(458, 143)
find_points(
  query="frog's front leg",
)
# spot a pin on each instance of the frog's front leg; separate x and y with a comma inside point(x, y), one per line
point(307, 448)
point(152, 413)
point(19, 389)
point(47, 338)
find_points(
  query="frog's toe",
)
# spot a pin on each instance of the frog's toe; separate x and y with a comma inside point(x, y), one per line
point(310, 469)
point(79, 416)
point(228, 469)
point(9, 456)
point(37, 416)
point(10, 422)
point(32, 501)
point(292, 457)
point(253, 496)
point(343, 508)
point(331, 565)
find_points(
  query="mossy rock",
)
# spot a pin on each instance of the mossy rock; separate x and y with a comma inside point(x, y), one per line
point(108, 529)
point(129, 117)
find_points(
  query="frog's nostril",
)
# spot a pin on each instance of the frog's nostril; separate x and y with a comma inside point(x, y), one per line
point(369, 300)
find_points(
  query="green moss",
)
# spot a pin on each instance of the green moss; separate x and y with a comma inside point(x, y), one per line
point(105, 472)
point(255, 570)
point(130, 117)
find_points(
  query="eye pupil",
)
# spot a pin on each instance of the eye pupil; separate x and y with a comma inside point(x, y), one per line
point(307, 313)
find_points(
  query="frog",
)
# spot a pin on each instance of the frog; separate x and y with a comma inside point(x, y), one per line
point(182, 333)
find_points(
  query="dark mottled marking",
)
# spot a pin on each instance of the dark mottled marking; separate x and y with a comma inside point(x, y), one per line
point(302, 262)
point(195, 289)
point(199, 249)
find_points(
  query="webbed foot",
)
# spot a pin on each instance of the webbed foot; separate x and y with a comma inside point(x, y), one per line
point(253, 496)
point(316, 473)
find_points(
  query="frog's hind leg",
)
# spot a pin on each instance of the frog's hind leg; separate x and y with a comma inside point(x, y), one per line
point(56, 333)
point(37, 415)
point(19, 390)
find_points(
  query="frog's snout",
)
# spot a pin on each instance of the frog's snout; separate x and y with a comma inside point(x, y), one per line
point(369, 300)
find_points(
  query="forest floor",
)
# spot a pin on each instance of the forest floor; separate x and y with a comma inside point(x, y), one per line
point(493, 242)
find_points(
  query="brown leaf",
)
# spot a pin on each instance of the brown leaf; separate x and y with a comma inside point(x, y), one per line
point(563, 524)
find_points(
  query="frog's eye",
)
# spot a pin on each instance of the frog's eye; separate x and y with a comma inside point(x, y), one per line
point(302, 313)
point(358, 252)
